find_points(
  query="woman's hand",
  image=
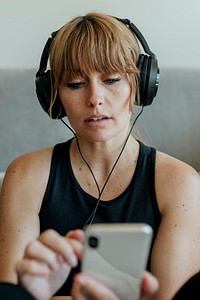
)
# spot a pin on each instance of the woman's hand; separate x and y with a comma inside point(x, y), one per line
point(86, 287)
point(47, 262)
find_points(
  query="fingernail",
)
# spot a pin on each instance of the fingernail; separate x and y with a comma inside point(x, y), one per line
point(73, 260)
point(80, 280)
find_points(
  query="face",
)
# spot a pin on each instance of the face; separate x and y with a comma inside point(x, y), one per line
point(97, 105)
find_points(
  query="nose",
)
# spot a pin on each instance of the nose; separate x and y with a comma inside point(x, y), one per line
point(95, 96)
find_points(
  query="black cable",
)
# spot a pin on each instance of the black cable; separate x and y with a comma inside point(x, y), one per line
point(91, 217)
point(94, 211)
point(79, 149)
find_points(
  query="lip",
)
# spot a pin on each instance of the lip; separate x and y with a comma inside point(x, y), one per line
point(97, 118)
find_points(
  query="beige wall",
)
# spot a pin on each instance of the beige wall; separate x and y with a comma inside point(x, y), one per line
point(171, 27)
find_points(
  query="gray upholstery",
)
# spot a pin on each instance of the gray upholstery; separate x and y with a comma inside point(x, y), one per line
point(171, 123)
point(24, 125)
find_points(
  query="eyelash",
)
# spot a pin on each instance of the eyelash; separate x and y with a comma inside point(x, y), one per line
point(112, 80)
point(74, 86)
point(77, 85)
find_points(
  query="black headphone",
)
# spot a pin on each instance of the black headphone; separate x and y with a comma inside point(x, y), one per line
point(147, 64)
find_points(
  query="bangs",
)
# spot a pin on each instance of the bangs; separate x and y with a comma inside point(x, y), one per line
point(93, 45)
point(95, 51)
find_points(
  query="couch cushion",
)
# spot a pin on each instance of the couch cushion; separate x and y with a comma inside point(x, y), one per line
point(172, 122)
point(24, 125)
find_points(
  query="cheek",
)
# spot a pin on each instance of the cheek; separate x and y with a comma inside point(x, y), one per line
point(125, 97)
point(67, 101)
point(73, 111)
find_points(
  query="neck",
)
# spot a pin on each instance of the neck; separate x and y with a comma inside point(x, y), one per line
point(102, 157)
point(104, 174)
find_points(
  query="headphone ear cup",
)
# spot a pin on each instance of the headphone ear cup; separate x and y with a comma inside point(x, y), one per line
point(152, 80)
point(142, 66)
point(43, 91)
point(149, 72)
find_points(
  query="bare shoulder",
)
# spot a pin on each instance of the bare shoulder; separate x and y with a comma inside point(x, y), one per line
point(21, 197)
point(36, 160)
point(168, 165)
point(175, 179)
point(28, 173)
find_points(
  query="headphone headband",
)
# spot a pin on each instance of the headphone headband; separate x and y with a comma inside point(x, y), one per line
point(147, 64)
point(139, 36)
point(45, 54)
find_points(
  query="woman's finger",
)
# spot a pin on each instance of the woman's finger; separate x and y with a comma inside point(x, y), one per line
point(149, 286)
point(61, 246)
point(87, 287)
point(32, 267)
point(41, 253)
point(77, 234)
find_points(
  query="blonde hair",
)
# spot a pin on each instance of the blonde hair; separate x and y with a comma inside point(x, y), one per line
point(98, 42)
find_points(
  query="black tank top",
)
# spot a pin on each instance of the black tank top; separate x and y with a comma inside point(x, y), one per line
point(67, 206)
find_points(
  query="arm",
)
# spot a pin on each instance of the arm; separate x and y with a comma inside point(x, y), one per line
point(175, 256)
point(21, 196)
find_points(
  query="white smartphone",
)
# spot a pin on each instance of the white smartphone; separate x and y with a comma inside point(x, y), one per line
point(116, 255)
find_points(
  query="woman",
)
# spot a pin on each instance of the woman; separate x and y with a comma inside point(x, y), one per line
point(104, 174)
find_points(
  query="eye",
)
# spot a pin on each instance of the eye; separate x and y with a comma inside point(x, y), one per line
point(112, 80)
point(75, 85)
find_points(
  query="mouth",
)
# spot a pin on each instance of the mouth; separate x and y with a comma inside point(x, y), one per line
point(97, 119)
